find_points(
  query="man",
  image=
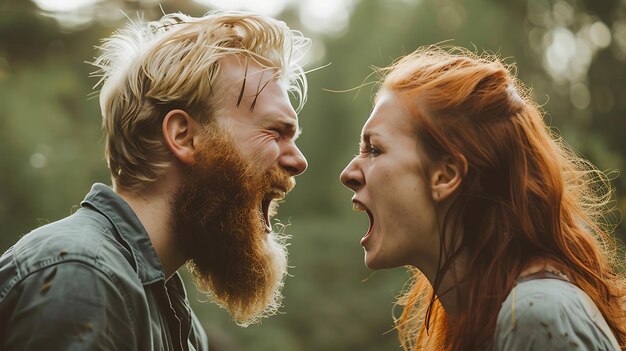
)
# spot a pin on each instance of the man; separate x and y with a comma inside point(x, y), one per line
point(199, 135)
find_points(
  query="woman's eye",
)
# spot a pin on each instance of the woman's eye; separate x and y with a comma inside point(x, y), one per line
point(374, 151)
point(369, 150)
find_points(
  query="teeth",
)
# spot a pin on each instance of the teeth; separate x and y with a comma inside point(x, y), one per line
point(358, 207)
point(277, 192)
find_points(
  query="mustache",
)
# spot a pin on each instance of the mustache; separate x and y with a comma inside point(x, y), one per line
point(280, 179)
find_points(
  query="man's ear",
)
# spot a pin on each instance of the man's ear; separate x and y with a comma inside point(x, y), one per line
point(180, 131)
point(447, 176)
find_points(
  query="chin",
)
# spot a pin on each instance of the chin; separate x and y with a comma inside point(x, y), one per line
point(373, 263)
point(376, 263)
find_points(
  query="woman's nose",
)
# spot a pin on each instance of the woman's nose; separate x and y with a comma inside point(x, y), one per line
point(352, 177)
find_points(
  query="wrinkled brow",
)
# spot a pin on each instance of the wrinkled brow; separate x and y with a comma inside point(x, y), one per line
point(290, 128)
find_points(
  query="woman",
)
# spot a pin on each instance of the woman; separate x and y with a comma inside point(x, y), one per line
point(498, 220)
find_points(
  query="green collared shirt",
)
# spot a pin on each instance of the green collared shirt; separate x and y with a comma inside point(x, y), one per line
point(92, 281)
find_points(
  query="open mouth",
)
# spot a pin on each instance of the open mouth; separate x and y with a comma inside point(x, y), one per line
point(269, 206)
point(360, 207)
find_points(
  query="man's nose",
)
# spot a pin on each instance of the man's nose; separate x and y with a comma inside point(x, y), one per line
point(293, 160)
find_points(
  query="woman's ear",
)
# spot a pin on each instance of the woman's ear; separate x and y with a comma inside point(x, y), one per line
point(179, 131)
point(447, 176)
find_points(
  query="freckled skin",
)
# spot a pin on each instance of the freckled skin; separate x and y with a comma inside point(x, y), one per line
point(389, 182)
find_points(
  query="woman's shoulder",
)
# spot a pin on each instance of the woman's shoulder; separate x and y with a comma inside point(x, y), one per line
point(551, 314)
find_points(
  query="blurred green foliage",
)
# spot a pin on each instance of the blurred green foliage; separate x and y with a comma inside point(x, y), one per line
point(51, 148)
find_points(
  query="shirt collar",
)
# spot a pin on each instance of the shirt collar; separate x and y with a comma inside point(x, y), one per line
point(104, 200)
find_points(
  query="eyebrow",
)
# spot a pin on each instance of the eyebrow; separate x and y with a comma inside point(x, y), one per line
point(367, 135)
point(289, 126)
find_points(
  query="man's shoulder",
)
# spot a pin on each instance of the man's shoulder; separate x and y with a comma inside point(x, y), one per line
point(79, 234)
point(85, 236)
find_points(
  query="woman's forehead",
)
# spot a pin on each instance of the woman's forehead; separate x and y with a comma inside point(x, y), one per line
point(389, 115)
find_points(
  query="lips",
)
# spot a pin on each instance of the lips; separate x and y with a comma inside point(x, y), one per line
point(269, 204)
point(358, 206)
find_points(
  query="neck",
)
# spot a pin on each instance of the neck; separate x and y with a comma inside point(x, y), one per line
point(153, 208)
point(450, 283)
point(450, 287)
point(541, 264)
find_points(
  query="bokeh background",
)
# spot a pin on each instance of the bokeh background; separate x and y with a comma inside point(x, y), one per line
point(571, 52)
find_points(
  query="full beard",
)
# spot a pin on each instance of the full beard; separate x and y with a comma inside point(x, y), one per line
point(220, 224)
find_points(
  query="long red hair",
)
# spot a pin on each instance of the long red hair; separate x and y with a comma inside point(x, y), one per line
point(525, 195)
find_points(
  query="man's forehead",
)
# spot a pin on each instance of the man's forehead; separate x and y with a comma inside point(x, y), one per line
point(237, 72)
point(249, 85)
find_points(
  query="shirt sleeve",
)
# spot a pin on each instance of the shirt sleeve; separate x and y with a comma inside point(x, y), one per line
point(67, 306)
point(540, 323)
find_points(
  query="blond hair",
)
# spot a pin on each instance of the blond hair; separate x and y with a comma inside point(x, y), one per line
point(149, 68)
